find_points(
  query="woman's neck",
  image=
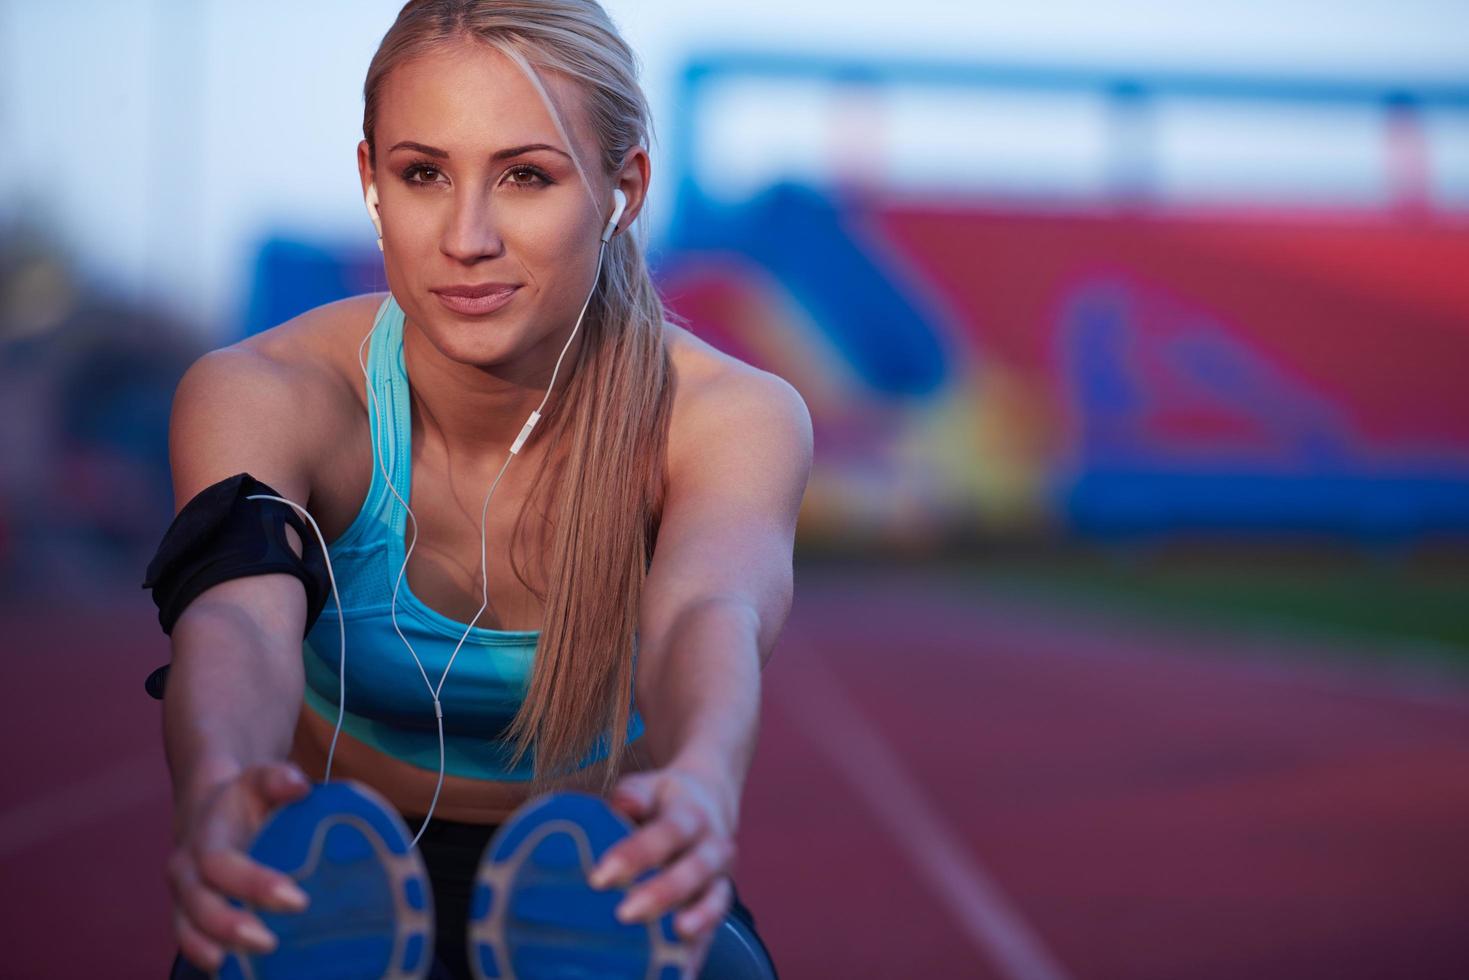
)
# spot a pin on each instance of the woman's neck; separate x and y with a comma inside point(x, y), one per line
point(473, 413)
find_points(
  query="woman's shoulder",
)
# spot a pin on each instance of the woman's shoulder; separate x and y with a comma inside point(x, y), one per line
point(272, 405)
point(314, 353)
point(716, 393)
point(700, 368)
point(303, 372)
point(324, 339)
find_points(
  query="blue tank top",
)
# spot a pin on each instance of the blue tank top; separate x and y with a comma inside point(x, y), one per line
point(388, 704)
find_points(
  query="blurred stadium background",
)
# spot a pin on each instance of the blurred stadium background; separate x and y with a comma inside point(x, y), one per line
point(1132, 604)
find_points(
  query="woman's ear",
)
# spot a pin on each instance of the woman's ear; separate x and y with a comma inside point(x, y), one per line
point(364, 165)
point(369, 191)
point(632, 180)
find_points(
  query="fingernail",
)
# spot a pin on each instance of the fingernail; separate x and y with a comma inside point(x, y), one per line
point(289, 895)
point(604, 874)
point(632, 908)
point(255, 935)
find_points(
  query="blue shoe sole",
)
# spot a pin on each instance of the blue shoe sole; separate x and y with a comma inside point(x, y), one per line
point(535, 917)
point(371, 912)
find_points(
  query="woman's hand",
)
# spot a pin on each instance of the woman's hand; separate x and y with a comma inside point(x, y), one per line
point(209, 865)
point(687, 828)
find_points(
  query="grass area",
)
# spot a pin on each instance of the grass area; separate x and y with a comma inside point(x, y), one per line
point(1423, 609)
point(1394, 606)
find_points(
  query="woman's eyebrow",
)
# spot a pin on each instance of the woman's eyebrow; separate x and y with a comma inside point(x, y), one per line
point(505, 154)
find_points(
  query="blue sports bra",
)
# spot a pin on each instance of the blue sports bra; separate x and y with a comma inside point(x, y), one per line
point(388, 704)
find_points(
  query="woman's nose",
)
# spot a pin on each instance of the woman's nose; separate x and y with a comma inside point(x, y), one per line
point(472, 231)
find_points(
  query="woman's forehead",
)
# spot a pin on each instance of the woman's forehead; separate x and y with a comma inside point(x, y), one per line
point(467, 97)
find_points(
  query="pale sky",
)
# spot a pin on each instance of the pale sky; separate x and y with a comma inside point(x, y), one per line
point(158, 141)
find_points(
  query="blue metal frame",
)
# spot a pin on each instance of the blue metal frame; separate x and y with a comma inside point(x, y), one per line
point(1128, 90)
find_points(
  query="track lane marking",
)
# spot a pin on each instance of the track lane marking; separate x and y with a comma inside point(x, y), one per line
point(829, 718)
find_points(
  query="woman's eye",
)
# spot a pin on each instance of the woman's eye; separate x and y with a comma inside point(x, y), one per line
point(410, 175)
point(524, 176)
point(534, 176)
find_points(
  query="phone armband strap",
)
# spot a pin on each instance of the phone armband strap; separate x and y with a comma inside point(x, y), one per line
point(220, 535)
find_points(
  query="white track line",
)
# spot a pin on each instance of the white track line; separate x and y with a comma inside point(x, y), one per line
point(115, 789)
point(858, 751)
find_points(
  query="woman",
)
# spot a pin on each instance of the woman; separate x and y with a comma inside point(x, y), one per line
point(648, 516)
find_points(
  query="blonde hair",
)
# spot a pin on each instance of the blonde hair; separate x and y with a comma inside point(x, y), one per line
point(611, 420)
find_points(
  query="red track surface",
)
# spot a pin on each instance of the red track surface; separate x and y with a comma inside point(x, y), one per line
point(1100, 798)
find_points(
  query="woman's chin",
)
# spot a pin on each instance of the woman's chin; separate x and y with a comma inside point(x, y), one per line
point(482, 342)
point(478, 343)
point(479, 351)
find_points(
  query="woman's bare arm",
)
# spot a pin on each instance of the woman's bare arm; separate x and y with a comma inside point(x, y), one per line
point(720, 585)
point(236, 681)
point(715, 601)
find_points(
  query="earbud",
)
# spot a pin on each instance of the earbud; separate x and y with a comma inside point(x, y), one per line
point(372, 212)
point(620, 204)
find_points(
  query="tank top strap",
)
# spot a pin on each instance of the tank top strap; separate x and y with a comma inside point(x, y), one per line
point(389, 413)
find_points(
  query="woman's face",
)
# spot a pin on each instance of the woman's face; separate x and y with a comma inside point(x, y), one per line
point(461, 207)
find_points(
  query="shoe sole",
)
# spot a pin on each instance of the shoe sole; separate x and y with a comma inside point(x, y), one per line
point(371, 912)
point(534, 916)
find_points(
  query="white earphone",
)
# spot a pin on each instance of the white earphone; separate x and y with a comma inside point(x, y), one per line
point(619, 204)
point(372, 212)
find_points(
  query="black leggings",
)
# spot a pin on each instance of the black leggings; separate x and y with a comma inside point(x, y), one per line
point(451, 851)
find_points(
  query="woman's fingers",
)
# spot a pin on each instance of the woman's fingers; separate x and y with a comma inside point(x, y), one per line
point(654, 844)
point(221, 922)
point(681, 882)
point(203, 953)
point(211, 868)
point(207, 911)
point(232, 873)
point(634, 795)
point(276, 783)
point(684, 836)
point(697, 920)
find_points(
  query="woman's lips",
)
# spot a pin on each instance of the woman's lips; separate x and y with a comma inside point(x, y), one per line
point(476, 305)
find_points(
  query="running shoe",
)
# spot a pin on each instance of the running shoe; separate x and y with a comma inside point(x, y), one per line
point(371, 911)
point(534, 916)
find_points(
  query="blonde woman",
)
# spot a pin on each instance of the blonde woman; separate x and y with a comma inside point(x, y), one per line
point(647, 516)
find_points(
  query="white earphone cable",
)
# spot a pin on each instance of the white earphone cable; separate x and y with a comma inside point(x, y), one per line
point(341, 622)
point(375, 410)
point(436, 690)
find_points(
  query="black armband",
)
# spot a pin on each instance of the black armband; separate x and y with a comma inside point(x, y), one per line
point(220, 535)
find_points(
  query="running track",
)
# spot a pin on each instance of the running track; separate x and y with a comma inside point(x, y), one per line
point(948, 785)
